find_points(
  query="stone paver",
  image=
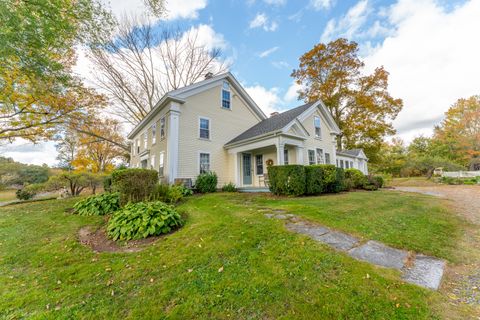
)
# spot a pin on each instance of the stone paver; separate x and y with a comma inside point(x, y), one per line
point(426, 272)
point(338, 240)
point(379, 254)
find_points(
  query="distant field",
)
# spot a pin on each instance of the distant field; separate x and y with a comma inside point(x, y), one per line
point(411, 182)
point(7, 195)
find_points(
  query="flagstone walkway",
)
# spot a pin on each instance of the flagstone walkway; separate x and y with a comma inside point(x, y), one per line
point(424, 271)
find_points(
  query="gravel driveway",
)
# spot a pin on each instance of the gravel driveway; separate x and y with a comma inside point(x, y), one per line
point(462, 283)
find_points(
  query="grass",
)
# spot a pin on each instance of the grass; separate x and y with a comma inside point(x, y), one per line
point(411, 182)
point(408, 221)
point(268, 273)
point(7, 195)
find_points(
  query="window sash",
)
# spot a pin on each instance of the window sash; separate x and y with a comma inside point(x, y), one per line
point(204, 128)
point(259, 163)
point(317, 125)
point(341, 164)
point(311, 157)
point(162, 128)
point(285, 156)
point(154, 133)
point(327, 158)
point(319, 153)
point(226, 99)
point(161, 164)
point(204, 162)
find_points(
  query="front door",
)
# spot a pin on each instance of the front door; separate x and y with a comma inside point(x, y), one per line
point(247, 168)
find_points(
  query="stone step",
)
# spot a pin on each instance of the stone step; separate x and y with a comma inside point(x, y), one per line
point(425, 271)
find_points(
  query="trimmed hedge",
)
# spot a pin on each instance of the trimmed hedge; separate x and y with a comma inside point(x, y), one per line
point(287, 180)
point(356, 177)
point(314, 179)
point(134, 185)
point(297, 180)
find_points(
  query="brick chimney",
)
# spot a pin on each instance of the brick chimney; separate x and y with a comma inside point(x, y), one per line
point(209, 75)
point(274, 114)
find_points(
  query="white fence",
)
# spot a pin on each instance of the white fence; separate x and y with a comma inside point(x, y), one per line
point(461, 174)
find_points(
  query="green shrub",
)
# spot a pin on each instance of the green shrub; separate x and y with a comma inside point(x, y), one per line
point(355, 177)
point(287, 180)
point(206, 182)
point(25, 194)
point(229, 187)
point(98, 205)
point(186, 191)
point(380, 181)
point(143, 219)
point(134, 185)
point(373, 183)
point(314, 179)
point(107, 183)
point(339, 184)
point(167, 193)
point(333, 178)
point(470, 182)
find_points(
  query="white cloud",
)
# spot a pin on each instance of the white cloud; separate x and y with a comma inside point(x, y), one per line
point(267, 99)
point(292, 93)
point(262, 21)
point(432, 58)
point(349, 24)
point(281, 64)
point(267, 52)
point(275, 2)
point(27, 152)
point(176, 9)
point(321, 4)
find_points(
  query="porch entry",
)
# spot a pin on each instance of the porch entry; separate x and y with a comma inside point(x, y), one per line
point(247, 168)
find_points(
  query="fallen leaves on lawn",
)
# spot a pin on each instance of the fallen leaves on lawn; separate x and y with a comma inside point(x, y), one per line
point(221, 269)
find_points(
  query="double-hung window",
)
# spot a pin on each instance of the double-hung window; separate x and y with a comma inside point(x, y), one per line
point(351, 164)
point(318, 129)
point(311, 157)
point(347, 164)
point(162, 128)
point(226, 103)
point(327, 158)
point(259, 163)
point(341, 164)
point(145, 139)
point(152, 161)
point(154, 133)
point(204, 128)
point(285, 156)
point(137, 146)
point(161, 164)
point(204, 160)
point(319, 156)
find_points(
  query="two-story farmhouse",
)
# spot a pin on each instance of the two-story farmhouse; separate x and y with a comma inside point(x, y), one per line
point(214, 125)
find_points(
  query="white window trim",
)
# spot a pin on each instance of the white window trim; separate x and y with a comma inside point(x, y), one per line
point(145, 139)
point(162, 155)
point(314, 157)
point(322, 160)
point(221, 96)
point(263, 165)
point(164, 127)
point(154, 134)
point(198, 160)
point(315, 128)
point(209, 128)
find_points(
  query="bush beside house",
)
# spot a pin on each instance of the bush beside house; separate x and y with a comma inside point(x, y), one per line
point(296, 180)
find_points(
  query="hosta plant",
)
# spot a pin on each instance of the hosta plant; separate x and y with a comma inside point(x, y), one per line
point(98, 205)
point(143, 219)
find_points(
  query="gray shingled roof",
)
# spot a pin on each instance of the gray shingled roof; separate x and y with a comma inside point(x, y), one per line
point(272, 124)
point(352, 152)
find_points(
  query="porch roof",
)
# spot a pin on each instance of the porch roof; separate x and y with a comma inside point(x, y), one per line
point(272, 124)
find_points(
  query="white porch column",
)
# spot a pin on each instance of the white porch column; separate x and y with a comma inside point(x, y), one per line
point(236, 167)
point(172, 142)
point(299, 155)
point(280, 158)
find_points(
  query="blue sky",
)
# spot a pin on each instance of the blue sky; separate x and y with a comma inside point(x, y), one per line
point(428, 46)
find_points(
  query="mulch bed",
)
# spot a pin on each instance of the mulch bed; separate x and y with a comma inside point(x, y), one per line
point(99, 242)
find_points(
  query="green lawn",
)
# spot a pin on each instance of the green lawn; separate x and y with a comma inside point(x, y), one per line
point(404, 220)
point(7, 195)
point(268, 272)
